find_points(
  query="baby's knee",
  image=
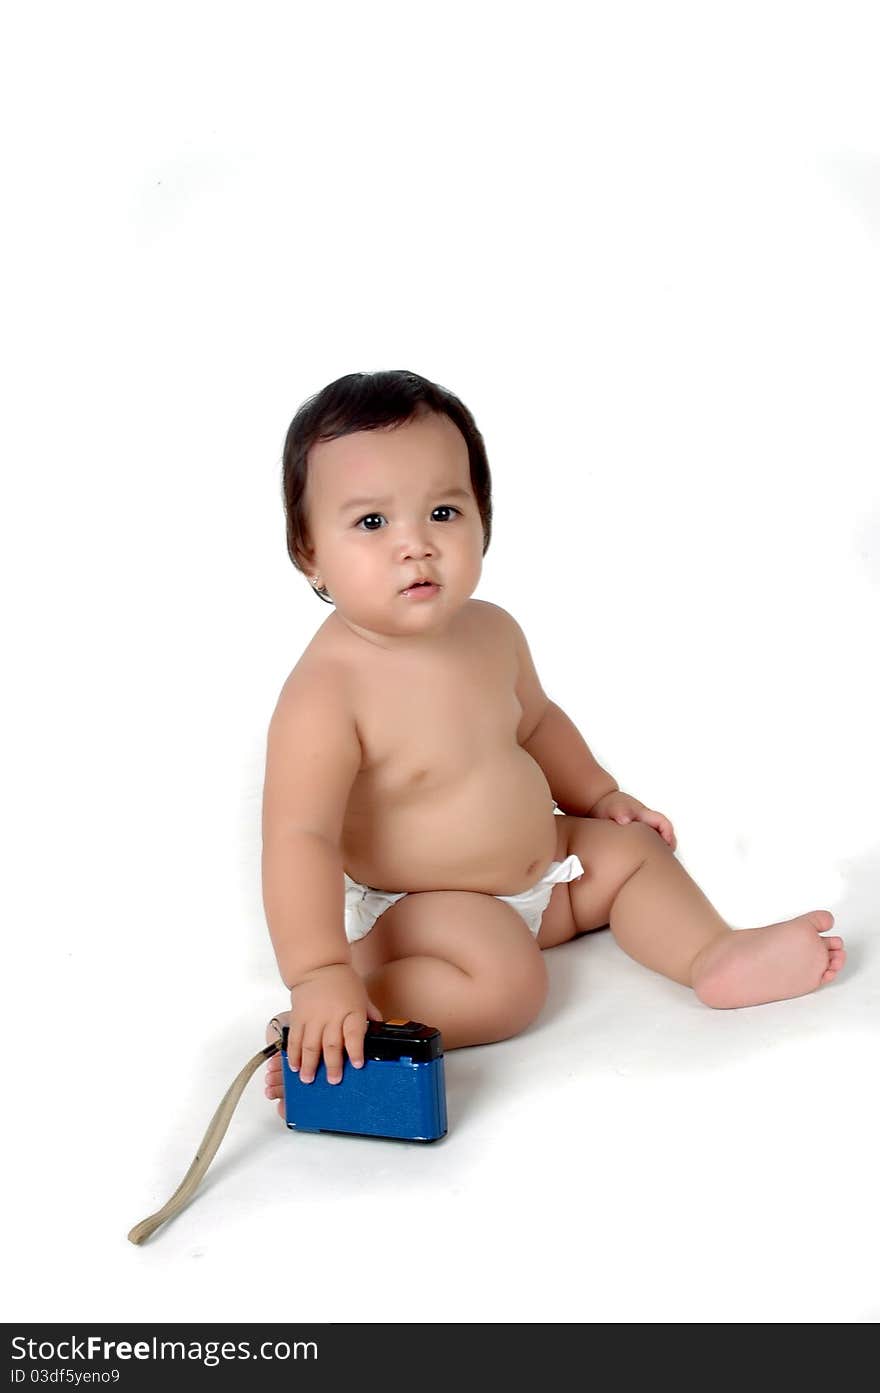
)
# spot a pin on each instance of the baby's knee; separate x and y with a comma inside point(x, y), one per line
point(513, 991)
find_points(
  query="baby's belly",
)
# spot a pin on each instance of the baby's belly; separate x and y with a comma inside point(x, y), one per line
point(491, 829)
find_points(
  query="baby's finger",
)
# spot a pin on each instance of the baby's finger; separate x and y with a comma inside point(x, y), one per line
point(311, 1054)
point(333, 1054)
point(294, 1046)
point(667, 833)
point(353, 1029)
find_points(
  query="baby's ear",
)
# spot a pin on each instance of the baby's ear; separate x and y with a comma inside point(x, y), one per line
point(305, 560)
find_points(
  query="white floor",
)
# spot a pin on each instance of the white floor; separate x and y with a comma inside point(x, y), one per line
point(632, 1157)
point(640, 242)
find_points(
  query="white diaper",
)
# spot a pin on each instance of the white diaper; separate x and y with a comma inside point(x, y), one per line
point(363, 905)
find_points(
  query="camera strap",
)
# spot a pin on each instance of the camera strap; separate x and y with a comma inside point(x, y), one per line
point(207, 1150)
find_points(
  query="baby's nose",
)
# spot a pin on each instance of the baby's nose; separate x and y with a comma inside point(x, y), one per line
point(414, 547)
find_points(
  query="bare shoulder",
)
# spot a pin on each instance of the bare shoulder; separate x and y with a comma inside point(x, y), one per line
point(493, 619)
point(500, 624)
point(322, 667)
point(320, 677)
point(313, 750)
point(529, 691)
point(317, 697)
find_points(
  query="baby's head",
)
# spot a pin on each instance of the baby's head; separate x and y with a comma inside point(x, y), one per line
point(386, 481)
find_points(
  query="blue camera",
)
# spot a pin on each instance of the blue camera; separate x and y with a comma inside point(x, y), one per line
point(400, 1091)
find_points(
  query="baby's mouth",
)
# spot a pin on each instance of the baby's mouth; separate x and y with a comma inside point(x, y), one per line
point(420, 585)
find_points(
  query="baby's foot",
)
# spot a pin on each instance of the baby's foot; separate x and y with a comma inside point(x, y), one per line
point(274, 1083)
point(748, 967)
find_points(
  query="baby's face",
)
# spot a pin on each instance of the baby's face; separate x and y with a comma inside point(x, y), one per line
point(386, 507)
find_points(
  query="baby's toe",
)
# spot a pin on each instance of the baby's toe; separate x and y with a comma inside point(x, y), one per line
point(821, 919)
point(274, 1085)
point(836, 959)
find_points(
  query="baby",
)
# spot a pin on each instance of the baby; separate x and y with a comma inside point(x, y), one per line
point(414, 864)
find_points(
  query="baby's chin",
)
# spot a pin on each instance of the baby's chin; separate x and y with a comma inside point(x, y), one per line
point(405, 615)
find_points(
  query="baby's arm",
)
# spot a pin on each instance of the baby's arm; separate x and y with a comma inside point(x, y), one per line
point(313, 756)
point(576, 780)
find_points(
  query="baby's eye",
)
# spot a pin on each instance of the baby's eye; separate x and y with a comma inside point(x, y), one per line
point(366, 522)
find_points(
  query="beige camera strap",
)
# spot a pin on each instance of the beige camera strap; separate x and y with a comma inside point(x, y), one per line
point(206, 1152)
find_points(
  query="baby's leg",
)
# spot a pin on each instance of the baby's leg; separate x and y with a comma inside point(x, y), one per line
point(460, 961)
point(663, 920)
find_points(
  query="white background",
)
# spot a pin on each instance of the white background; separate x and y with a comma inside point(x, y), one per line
point(641, 243)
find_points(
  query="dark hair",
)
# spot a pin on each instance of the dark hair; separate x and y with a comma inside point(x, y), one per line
point(367, 401)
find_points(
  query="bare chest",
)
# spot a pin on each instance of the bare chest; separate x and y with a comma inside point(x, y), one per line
point(445, 797)
point(427, 721)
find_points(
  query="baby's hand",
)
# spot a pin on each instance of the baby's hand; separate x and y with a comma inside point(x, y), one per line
point(330, 1007)
point(620, 807)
